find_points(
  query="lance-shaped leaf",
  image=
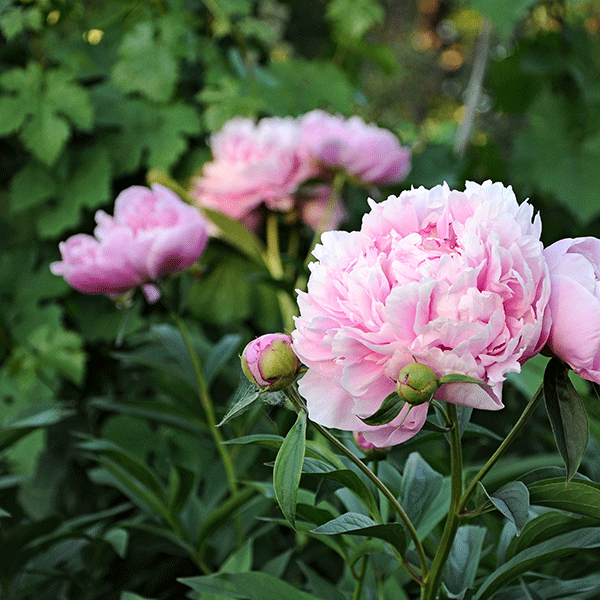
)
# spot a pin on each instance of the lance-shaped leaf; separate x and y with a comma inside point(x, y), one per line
point(245, 396)
point(357, 524)
point(288, 468)
point(462, 564)
point(390, 408)
point(567, 415)
point(581, 496)
point(512, 500)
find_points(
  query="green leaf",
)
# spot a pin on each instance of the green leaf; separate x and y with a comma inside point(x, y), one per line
point(536, 556)
point(460, 378)
point(87, 185)
point(544, 527)
point(504, 15)
point(567, 415)
point(421, 485)
point(349, 479)
point(357, 524)
point(390, 408)
point(181, 485)
point(288, 468)
point(461, 566)
point(512, 500)
point(145, 64)
point(353, 18)
point(580, 496)
point(30, 186)
point(245, 396)
point(246, 586)
point(219, 355)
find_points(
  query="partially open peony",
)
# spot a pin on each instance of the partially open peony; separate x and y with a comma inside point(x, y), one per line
point(453, 280)
point(152, 234)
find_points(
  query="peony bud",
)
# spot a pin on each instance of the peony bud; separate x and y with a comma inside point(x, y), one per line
point(270, 362)
point(417, 383)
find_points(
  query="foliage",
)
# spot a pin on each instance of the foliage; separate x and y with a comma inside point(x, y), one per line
point(111, 485)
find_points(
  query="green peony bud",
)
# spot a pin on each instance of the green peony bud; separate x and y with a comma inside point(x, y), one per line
point(270, 362)
point(417, 383)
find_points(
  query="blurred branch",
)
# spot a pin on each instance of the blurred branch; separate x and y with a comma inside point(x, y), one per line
point(473, 91)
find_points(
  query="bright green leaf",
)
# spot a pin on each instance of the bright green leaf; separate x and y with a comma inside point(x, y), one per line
point(288, 468)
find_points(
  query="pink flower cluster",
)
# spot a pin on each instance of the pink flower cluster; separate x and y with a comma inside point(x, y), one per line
point(457, 281)
point(153, 233)
point(268, 162)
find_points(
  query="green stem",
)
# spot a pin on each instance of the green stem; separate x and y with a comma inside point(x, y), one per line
point(299, 403)
point(209, 413)
point(273, 260)
point(529, 409)
point(361, 579)
point(432, 583)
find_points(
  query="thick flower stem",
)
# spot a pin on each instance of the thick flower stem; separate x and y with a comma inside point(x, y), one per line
point(209, 412)
point(529, 409)
point(299, 404)
point(432, 582)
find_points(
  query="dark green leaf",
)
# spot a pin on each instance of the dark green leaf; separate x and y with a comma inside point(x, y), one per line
point(536, 556)
point(579, 496)
point(421, 486)
point(390, 408)
point(357, 524)
point(512, 500)
point(246, 586)
point(567, 415)
point(288, 468)
point(219, 356)
point(462, 564)
point(349, 479)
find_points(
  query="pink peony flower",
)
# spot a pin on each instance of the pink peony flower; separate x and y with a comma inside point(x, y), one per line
point(575, 304)
point(315, 209)
point(371, 154)
point(253, 164)
point(153, 233)
point(454, 280)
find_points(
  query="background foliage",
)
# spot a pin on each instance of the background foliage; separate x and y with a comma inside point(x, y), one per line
point(110, 485)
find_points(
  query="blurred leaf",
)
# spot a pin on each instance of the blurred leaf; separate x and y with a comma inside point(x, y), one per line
point(42, 104)
point(288, 468)
point(246, 586)
point(145, 64)
point(324, 589)
point(352, 19)
point(567, 415)
point(461, 566)
point(118, 539)
point(181, 485)
point(30, 186)
point(504, 15)
point(538, 555)
point(219, 355)
point(357, 524)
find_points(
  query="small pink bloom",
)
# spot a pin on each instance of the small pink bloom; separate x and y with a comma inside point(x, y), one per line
point(153, 233)
point(575, 304)
point(316, 208)
point(253, 164)
point(456, 281)
point(270, 362)
point(371, 154)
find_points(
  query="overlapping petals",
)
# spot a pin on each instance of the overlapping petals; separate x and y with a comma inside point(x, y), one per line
point(453, 280)
point(152, 234)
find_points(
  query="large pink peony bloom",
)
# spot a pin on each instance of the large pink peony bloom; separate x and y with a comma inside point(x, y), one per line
point(369, 153)
point(253, 163)
point(153, 233)
point(454, 280)
point(575, 304)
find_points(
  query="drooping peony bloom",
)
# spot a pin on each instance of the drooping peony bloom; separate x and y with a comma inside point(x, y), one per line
point(575, 304)
point(253, 163)
point(367, 152)
point(153, 233)
point(453, 280)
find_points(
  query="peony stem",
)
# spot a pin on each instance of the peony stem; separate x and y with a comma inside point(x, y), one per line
point(299, 404)
point(432, 582)
point(529, 409)
point(209, 412)
point(273, 260)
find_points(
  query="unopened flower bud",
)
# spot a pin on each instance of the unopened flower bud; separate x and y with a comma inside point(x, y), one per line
point(371, 450)
point(270, 362)
point(417, 383)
